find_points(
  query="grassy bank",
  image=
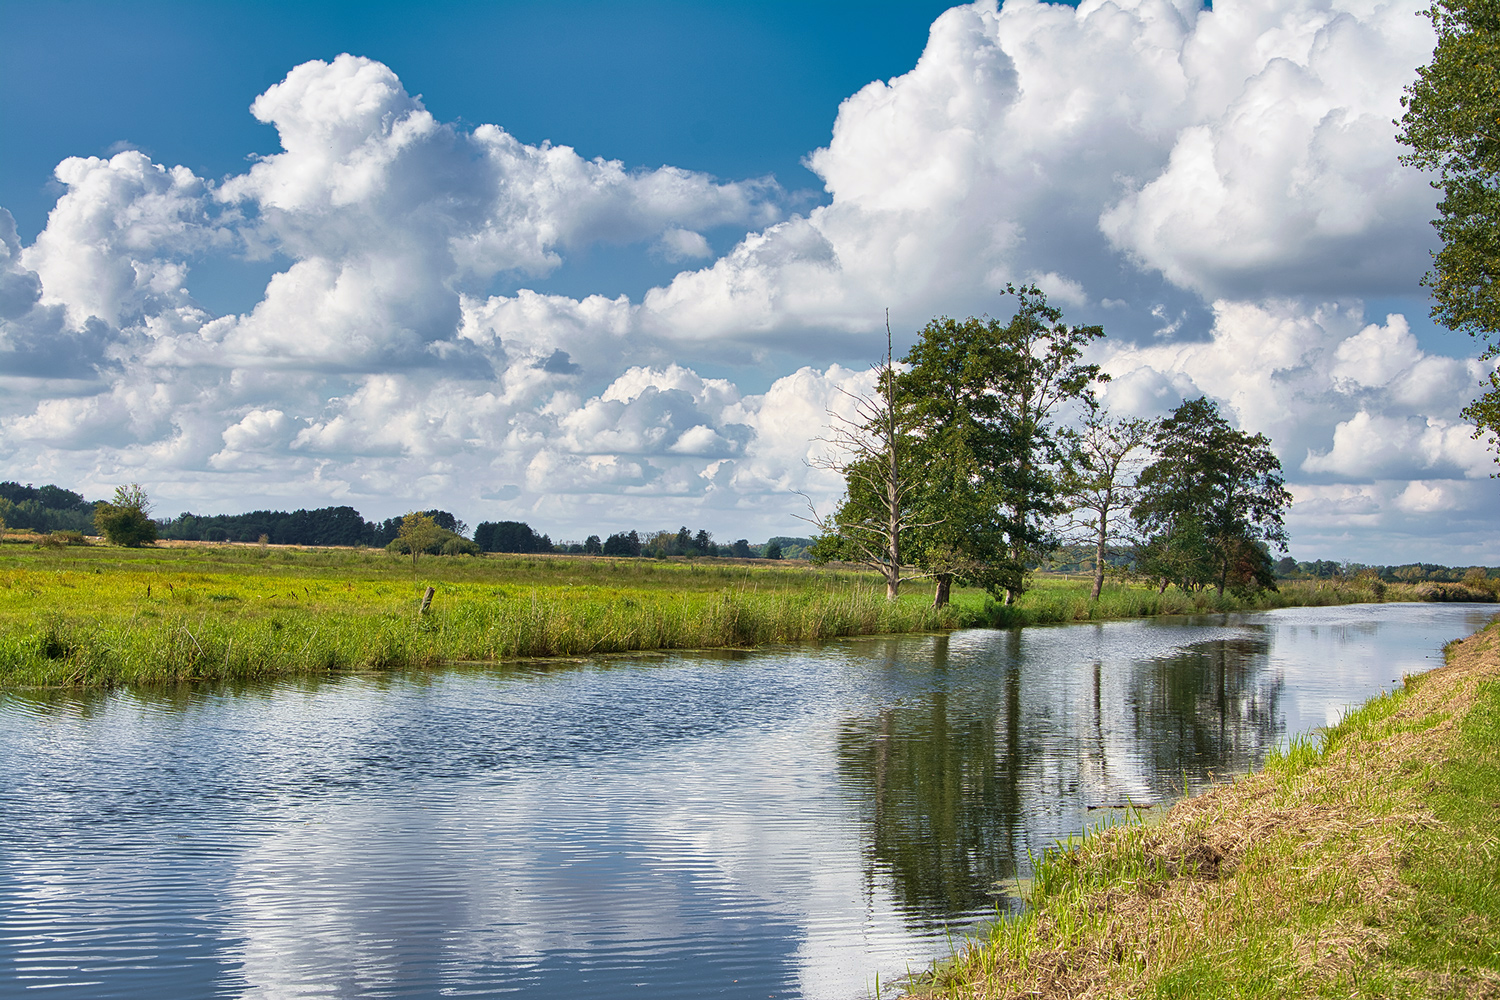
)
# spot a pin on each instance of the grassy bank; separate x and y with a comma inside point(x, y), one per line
point(96, 616)
point(1364, 861)
point(1058, 600)
point(101, 616)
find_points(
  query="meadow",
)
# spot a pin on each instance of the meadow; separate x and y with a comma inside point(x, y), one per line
point(99, 616)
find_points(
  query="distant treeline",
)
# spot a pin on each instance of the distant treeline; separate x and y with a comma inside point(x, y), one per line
point(44, 508)
point(1080, 559)
point(324, 526)
point(52, 508)
point(1324, 569)
point(517, 536)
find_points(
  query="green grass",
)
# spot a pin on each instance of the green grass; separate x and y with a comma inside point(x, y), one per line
point(103, 616)
point(94, 616)
point(1059, 599)
point(1361, 861)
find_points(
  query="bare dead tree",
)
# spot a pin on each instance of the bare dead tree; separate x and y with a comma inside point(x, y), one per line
point(872, 451)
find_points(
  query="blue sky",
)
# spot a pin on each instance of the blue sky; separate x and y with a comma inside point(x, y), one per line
point(600, 266)
point(732, 90)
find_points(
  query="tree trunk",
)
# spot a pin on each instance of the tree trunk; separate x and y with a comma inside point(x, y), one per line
point(1163, 588)
point(892, 586)
point(940, 590)
point(1099, 560)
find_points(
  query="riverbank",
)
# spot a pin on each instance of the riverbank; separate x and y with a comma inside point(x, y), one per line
point(1364, 861)
point(100, 616)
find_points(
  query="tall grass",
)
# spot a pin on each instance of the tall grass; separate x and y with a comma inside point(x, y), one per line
point(184, 638)
point(97, 616)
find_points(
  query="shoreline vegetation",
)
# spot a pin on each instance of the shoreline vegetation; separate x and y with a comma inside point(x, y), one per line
point(1362, 860)
point(90, 616)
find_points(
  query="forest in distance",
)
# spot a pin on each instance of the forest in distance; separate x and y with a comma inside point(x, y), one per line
point(33, 512)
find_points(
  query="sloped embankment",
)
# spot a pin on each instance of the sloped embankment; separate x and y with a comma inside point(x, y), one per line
point(1364, 861)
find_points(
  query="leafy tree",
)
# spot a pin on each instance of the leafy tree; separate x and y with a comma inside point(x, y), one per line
point(417, 533)
point(740, 548)
point(623, 544)
point(592, 545)
point(127, 519)
point(1211, 503)
point(510, 536)
point(1038, 361)
point(773, 550)
point(983, 397)
point(1452, 124)
point(948, 388)
point(1100, 478)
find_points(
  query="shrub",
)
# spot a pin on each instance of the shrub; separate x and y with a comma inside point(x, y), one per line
point(126, 521)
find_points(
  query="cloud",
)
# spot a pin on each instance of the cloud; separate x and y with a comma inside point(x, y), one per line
point(678, 245)
point(114, 244)
point(1218, 187)
point(1288, 181)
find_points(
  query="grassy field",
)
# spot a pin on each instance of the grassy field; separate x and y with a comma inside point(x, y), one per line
point(1363, 862)
point(99, 615)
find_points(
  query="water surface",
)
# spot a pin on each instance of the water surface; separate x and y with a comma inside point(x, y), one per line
point(783, 823)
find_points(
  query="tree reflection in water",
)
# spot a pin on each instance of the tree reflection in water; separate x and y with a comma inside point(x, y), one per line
point(995, 750)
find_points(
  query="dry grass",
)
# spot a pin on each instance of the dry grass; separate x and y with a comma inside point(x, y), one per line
point(1319, 876)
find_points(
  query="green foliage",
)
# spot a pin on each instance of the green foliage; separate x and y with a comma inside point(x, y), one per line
point(1210, 504)
point(127, 519)
point(1450, 123)
point(44, 508)
point(983, 397)
point(418, 534)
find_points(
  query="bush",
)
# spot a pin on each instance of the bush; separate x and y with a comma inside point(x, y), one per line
point(126, 521)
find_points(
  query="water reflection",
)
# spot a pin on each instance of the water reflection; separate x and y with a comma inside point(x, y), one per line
point(783, 822)
point(936, 777)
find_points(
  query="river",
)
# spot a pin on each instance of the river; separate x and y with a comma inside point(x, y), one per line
point(780, 823)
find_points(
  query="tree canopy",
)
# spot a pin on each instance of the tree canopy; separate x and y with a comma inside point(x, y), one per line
point(126, 520)
point(1210, 504)
point(1452, 124)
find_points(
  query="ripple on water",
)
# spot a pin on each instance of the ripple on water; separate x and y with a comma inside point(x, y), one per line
point(789, 822)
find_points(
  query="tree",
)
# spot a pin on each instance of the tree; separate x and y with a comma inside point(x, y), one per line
point(623, 544)
point(1452, 124)
point(1211, 503)
point(773, 550)
point(983, 397)
point(417, 533)
point(1039, 367)
point(948, 387)
point(873, 451)
point(1100, 479)
point(592, 545)
point(127, 519)
point(509, 536)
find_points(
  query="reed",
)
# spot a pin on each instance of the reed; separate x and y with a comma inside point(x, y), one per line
point(1058, 600)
